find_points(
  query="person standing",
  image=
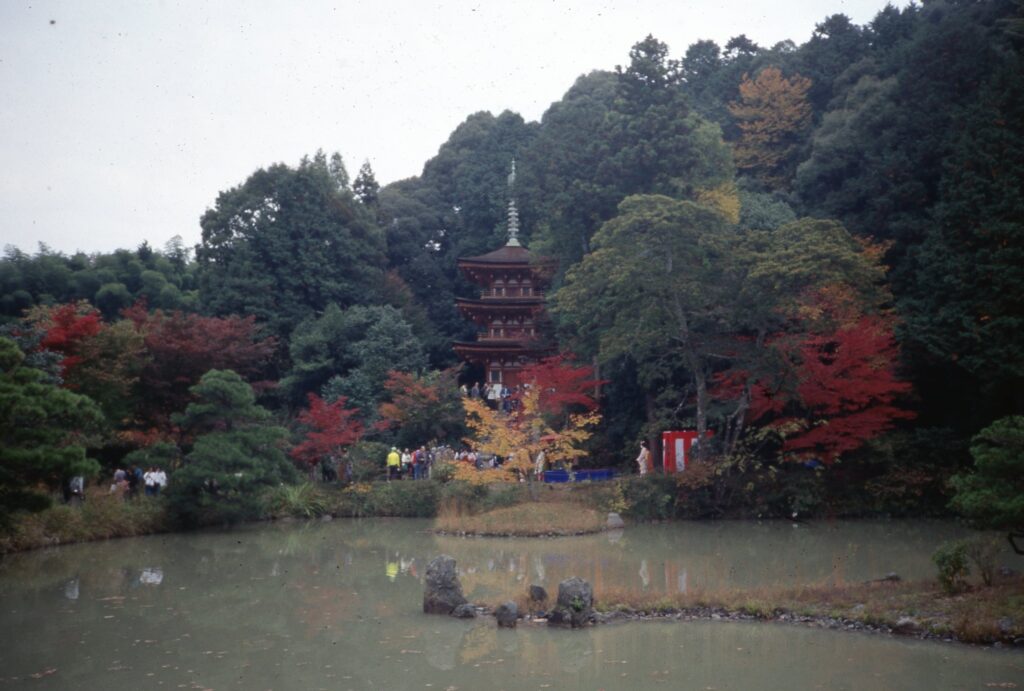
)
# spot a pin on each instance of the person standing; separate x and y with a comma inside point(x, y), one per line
point(394, 463)
point(150, 479)
point(417, 463)
point(644, 458)
point(407, 463)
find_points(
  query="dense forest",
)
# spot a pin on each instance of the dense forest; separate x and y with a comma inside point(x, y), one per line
point(814, 251)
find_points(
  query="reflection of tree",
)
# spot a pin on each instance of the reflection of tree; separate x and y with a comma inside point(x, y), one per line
point(480, 642)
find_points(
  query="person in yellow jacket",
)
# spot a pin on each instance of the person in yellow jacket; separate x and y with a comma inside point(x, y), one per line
point(394, 464)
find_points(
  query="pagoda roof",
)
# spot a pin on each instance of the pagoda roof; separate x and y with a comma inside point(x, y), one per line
point(504, 304)
point(493, 347)
point(509, 254)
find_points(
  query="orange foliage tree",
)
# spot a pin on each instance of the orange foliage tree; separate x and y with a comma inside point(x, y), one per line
point(773, 115)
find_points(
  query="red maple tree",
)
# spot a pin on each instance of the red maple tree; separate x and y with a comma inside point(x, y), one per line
point(845, 391)
point(562, 385)
point(66, 327)
point(183, 347)
point(331, 428)
point(848, 387)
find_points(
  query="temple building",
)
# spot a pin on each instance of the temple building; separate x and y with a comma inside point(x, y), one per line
point(510, 308)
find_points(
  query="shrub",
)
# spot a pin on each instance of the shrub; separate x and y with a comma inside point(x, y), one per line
point(405, 498)
point(301, 501)
point(983, 552)
point(367, 459)
point(461, 497)
point(100, 517)
point(951, 560)
point(650, 498)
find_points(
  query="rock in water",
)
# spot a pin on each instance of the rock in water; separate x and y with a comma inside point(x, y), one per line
point(507, 614)
point(466, 611)
point(575, 606)
point(443, 592)
point(614, 521)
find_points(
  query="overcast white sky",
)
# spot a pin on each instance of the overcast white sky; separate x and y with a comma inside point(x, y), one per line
point(120, 121)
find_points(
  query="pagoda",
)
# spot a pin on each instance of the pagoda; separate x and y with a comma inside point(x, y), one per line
point(510, 305)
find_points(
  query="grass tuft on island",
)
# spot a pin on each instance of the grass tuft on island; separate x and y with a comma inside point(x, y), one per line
point(983, 615)
point(530, 519)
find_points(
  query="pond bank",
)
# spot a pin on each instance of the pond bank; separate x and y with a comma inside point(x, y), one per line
point(992, 615)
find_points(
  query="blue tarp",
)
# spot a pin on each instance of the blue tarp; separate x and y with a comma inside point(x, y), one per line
point(592, 474)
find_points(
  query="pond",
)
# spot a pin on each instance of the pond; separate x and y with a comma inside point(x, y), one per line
point(337, 605)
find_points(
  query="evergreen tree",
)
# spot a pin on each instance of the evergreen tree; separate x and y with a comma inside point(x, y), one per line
point(42, 433)
point(993, 495)
point(285, 245)
point(965, 308)
point(365, 186)
point(349, 353)
point(237, 454)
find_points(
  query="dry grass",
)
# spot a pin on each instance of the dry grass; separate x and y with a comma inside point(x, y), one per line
point(530, 519)
point(101, 517)
point(981, 615)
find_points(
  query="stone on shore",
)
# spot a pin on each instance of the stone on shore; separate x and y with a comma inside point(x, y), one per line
point(614, 521)
point(443, 592)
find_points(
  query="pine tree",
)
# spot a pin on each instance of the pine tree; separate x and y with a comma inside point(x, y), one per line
point(42, 431)
point(365, 186)
point(236, 454)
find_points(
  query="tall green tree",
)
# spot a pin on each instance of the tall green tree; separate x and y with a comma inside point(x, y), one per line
point(366, 187)
point(965, 308)
point(349, 353)
point(653, 287)
point(617, 135)
point(42, 433)
point(286, 244)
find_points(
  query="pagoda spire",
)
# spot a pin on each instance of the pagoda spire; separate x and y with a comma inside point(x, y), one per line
point(513, 213)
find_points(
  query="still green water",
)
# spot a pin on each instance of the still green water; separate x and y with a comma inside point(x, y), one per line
point(337, 606)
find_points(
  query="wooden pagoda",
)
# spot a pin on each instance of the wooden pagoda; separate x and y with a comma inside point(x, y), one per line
point(509, 309)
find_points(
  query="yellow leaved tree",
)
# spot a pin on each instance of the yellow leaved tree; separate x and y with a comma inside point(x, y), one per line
point(774, 116)
point(520, 436)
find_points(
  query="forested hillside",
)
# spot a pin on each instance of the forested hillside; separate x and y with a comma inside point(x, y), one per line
point(814, 250)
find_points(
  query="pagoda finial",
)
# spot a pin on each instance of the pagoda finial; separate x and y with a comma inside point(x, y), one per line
point(513, 213)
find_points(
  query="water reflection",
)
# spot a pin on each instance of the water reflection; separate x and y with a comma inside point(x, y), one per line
point(338, 604)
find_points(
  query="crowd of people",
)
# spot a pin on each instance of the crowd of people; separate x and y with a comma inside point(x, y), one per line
point(497, 396)
point(127, 482)
point(418, 463)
